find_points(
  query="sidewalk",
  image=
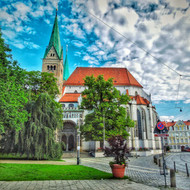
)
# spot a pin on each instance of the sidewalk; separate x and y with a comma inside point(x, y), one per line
point(74, 185)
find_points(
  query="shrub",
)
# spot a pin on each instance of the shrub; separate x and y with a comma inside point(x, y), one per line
point(118, 149)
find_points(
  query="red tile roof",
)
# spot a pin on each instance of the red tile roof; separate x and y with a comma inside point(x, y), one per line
point(121, 76)
point(72, 97)
point(140, 100)
point(187, 122)
point(169, 124)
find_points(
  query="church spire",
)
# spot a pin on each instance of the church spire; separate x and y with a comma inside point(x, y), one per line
point(55, 40)
point(66, 66)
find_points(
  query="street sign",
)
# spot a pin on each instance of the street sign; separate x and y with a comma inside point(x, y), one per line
point(160, 125)
point(161, 135)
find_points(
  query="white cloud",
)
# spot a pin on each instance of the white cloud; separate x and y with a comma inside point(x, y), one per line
point(178, 3)
point(187, 101)
point(77, 43)
point(47, 21)
point(167, 118)
point(9, 34)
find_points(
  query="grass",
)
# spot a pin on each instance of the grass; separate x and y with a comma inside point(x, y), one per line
point(13, 156)
point(29, 172)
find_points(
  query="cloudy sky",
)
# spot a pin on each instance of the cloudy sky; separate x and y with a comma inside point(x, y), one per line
point(151, 38)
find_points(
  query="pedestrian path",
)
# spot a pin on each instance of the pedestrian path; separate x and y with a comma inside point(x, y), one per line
point(141, 170)
point(74, 185)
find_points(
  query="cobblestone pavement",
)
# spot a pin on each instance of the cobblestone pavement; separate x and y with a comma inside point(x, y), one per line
point(141, 170)
point(180, 160)
point(74, 185)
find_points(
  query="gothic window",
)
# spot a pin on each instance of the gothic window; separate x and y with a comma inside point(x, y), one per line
point(144, 122)
point(51, 68)
point(75, 91)
point(54, 67)
point(139, 124)
point(48, 67)
point(71, 105)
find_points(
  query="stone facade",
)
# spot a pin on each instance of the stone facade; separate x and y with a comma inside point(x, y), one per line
point(145, 117)
point(179, 134)
point(53, 64)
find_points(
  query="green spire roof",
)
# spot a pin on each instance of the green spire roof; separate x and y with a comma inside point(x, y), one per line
point(66, 69)
point(55, 40)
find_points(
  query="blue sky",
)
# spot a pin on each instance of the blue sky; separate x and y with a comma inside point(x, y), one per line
point(159, 27)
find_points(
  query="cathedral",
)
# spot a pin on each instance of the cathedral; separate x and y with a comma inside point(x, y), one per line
point(71, 86)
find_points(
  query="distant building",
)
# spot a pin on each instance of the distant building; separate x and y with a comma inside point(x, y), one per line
point(179, 134)
point(71, 86)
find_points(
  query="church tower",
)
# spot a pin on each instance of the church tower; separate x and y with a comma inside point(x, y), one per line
point(53, 57)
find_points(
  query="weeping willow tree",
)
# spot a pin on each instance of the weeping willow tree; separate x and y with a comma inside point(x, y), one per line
point(36, 139)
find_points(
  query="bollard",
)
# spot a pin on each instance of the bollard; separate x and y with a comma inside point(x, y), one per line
point(158, 160)
point(174, 167)
point(172, 178)
point(159, 163)
point(187, 170)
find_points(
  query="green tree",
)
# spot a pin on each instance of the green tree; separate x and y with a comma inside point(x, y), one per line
point(106, 104)
point(37, 137)
point(13, 96)
point(37, 82)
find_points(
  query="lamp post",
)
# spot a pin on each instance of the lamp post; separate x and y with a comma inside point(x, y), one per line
point(104, 132)
point(78, 144)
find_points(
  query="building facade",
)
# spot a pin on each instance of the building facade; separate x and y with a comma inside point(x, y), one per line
point(139, 108)
point(179, 134)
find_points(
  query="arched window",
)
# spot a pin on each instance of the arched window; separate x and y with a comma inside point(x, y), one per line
point(51, 68)
point(139, 124)
point(71, 105)
point(75, 91)
point(136, 93)
point(48, 67)
point(54, 67)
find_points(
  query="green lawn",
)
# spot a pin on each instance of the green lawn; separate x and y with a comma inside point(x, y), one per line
point(13, 156)
point(29, 172)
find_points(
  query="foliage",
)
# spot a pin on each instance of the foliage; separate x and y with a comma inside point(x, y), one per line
point(37, 82)
point(37, 137)
point(29, 172)
point(28, 116)
point(106, 104)
point(13, 97)
point(118, 149)
point(167, 148)
point(143, 149)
